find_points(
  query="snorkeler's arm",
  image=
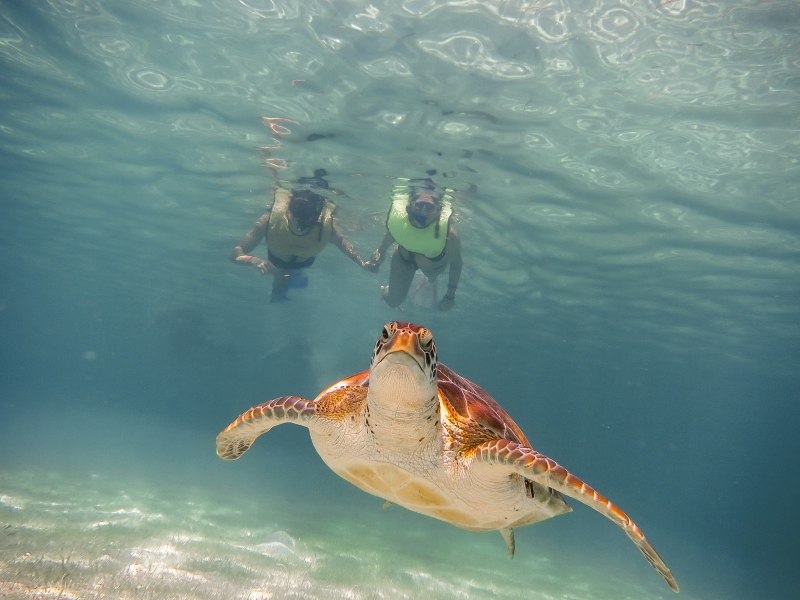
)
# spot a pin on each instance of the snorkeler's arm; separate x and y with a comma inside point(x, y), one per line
point(377, 257)
point(241, 254)
point(454, 251)
point(344, 244)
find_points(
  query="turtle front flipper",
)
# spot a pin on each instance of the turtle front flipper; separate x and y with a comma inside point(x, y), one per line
point(532, 465)
point(237, 437)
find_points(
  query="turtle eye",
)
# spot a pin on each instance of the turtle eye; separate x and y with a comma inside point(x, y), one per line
point(425, 339)
point(385, 333)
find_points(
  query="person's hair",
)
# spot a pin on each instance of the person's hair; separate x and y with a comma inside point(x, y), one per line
point(426, 186)
point(306, 207)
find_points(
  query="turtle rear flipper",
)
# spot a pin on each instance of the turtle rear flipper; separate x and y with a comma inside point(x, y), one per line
point(537, 467)
point(237, 437)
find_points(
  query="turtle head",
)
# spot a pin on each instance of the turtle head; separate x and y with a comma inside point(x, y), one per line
point(404, 362)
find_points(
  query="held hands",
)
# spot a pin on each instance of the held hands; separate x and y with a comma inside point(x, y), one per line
point(374, 262)
point(364, 265)
point(370, 266)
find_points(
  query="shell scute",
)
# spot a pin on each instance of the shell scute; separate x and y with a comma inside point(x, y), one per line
point(341, 400)
point(471, 402)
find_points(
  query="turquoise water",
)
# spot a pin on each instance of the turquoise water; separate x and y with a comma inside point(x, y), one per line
point(628, 209)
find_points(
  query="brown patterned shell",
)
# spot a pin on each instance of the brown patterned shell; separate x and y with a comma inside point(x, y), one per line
point(471, 402)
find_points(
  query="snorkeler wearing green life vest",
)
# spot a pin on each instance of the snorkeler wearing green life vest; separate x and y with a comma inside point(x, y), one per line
point(419, 221)
point(299, 226)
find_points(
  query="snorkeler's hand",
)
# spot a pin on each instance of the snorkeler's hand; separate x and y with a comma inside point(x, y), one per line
point(374, 262)
point(446, 304)
point(370, 266)
point(264, 266)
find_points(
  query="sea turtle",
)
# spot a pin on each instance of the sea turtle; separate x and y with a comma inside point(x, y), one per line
point(414, 433)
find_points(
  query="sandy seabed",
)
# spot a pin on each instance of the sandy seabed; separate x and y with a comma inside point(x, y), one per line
point(97, 537)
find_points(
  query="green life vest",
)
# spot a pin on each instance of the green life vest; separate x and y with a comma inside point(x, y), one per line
point(421, 240)
point(280, 239)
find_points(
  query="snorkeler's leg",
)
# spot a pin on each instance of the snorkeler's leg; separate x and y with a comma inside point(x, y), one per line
point(401, 274)
point(280, 285)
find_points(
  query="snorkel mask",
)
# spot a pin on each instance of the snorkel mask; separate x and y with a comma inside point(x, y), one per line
point(423, 203)
point(306, 207)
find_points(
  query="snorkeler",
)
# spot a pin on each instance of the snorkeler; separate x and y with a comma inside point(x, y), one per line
point(299, 225)
point(419, 221)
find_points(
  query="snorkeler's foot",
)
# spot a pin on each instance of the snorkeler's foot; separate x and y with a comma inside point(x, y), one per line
point(385, 294)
